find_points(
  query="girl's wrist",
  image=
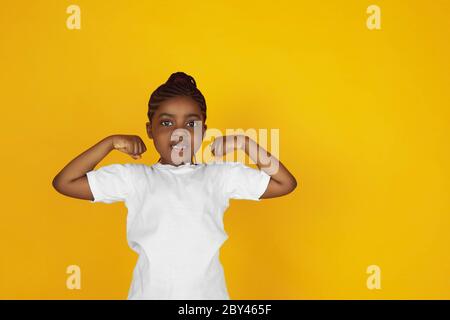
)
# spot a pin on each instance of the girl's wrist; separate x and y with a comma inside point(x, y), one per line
point(109, 140)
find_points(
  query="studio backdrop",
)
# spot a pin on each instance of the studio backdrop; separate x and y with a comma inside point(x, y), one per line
point(352, 96)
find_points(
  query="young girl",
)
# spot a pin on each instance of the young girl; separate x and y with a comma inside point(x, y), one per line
point(175, 206)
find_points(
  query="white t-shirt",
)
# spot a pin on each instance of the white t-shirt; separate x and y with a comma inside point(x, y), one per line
point(175, 222)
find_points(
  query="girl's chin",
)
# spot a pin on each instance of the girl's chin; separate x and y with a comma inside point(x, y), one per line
point(179, 157)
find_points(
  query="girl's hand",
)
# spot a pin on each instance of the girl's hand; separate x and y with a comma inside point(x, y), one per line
point(129, 144)
point(225, 144)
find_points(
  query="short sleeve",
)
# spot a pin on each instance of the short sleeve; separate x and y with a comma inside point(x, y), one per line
point(110, 183)
point(244, 182)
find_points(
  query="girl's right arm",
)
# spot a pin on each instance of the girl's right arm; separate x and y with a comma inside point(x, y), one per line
point(72, 181)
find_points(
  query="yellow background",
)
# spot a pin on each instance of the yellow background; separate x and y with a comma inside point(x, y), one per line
point(364, 127)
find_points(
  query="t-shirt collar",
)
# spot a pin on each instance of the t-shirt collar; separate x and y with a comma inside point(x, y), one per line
point(170, 166)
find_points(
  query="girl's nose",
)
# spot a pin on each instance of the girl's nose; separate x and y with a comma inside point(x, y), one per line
point(180, 135)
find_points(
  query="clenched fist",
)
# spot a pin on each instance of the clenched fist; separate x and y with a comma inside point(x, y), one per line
point(225, 144)
point(129, 144)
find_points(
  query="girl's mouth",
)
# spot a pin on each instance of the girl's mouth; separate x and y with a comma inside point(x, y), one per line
point(178, 146)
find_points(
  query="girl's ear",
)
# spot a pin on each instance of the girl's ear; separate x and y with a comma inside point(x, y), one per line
point(149, 130)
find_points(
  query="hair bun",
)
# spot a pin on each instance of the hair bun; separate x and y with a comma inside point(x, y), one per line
point(182, 79)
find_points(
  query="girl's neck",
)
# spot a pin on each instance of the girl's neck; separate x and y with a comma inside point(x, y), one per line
point(162, 161)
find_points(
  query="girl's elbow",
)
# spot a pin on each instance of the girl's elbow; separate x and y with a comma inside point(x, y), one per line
point(55, 183)
point(58, 185)
point(290, 186)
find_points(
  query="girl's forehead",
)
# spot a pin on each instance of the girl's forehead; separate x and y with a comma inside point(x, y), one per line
point(179, 107)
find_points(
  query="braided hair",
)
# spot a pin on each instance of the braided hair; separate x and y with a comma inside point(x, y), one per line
point(178, 84)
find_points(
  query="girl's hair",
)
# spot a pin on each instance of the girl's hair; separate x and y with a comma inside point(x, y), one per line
point(178, 84)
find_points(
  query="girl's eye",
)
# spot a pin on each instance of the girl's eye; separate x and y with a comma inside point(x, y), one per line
point(193, 123)
point(165, 121)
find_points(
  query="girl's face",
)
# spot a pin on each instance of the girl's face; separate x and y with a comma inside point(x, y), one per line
point(177, 129)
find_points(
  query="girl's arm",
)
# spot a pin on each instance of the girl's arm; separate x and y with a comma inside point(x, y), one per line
point(72, 181)
point(282, 181)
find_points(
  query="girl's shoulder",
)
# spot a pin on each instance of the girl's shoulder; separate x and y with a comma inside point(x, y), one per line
point(132, 169)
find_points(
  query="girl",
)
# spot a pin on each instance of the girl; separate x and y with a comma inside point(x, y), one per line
point(175, 206)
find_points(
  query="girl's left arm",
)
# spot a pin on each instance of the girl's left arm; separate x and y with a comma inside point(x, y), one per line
point(282, 181)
